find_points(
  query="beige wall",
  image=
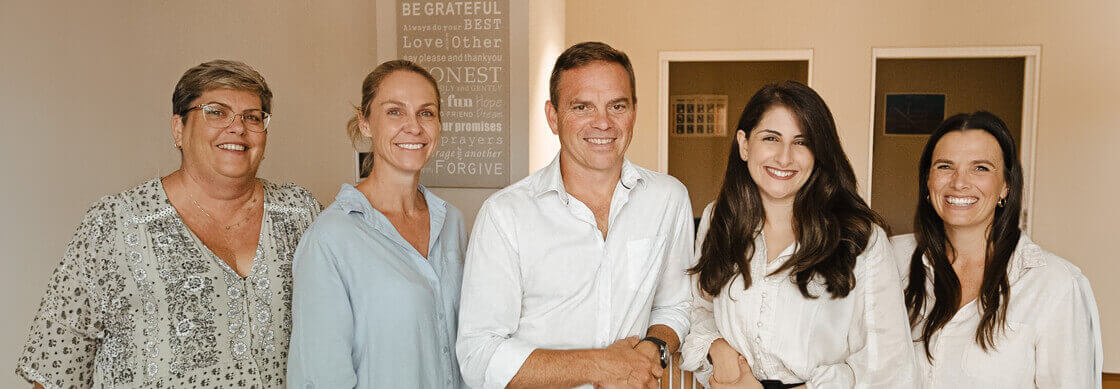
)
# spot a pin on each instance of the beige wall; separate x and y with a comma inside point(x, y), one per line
point(991, 84)
point(700, 162)
point(1075, 208)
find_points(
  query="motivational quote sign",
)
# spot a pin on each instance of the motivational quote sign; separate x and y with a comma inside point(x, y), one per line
point(465, 46)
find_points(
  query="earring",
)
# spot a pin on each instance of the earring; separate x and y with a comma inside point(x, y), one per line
point(1001, 202)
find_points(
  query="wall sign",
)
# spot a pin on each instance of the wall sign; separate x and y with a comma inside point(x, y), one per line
point(465, 45)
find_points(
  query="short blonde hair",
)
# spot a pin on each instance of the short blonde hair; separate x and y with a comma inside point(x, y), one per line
point(218, 74)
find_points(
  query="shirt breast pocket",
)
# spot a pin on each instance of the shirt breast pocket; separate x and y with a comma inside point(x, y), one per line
point(1008, 361)
point(644, 258)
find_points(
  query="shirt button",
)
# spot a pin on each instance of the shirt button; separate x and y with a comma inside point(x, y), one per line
point(445, 350)
point(759, 324)
point(763, 294)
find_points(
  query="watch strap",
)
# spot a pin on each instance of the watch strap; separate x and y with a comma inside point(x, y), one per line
point(662, 350)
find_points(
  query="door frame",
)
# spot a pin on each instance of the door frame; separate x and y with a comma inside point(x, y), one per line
point(1031, 55)
point(664, 58)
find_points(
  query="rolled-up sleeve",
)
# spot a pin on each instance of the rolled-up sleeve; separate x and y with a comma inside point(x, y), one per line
point(1068, 350)
point(322, 320)
point(882, 355)
point(673, 300)
point(490, 306)
point(65, 334)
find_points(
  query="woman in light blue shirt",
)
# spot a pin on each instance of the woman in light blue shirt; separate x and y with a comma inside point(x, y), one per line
point(377, 276)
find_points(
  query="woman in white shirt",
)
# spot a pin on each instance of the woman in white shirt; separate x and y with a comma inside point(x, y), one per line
point(796, 283)
point(988, 307)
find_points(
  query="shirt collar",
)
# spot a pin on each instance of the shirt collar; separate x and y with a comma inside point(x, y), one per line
point(350, 199)
point(1027, 255)
point(550, 179)
point(785, 254)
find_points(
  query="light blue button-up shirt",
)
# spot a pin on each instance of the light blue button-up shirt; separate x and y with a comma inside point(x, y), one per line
point(368, 311)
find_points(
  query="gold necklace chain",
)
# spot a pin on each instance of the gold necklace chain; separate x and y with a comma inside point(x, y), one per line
point(227, 228)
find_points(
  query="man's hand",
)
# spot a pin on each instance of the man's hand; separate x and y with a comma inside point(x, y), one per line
point(651, 351)
point(622, 365)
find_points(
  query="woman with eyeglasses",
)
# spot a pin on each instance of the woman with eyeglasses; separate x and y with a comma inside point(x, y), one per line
point(990, 308)
point(185, 280)
point(795, 281)
point(377, 277)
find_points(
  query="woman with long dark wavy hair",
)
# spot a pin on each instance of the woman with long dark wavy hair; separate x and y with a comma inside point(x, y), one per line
point(796, 282)
point(988, 307)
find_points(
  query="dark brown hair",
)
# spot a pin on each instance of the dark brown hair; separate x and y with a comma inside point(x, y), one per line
point(218, 74)
point(832, 223)
point(370, 86)
point(582, 54)
point(932, 243)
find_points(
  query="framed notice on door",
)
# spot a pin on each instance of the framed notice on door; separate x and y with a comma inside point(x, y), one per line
point(698, 115)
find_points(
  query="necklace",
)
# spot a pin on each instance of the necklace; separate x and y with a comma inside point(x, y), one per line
point(231, 227)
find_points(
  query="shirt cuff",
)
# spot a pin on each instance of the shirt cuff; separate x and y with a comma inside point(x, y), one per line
point(694, 356)
point(668, 317)
point(506, 361)
point(838, 375)
point(703, 373)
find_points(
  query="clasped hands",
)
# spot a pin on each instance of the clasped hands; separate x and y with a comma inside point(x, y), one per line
point(628, 363)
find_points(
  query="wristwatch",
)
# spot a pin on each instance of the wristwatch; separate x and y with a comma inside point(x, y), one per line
point(662, 349)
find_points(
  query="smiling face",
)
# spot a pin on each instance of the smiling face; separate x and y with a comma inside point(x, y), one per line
point(966, 178)
point(403, 122)
point(777, 155)
point(216, 152)
point(594, 116)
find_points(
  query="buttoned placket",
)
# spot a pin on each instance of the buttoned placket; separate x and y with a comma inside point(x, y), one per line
point(603, 277)
point(760, 281)
point(248, 332)
point(769, 289)
point(426, 268)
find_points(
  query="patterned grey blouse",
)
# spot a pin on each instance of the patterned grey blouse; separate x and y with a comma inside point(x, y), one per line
point(139, 301)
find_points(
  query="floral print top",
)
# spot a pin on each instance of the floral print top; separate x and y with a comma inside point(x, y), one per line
point(139, 301)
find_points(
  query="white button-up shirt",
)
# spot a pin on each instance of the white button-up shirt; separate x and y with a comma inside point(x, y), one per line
point(1052, 338)
point(539, 273)
point(861, 340)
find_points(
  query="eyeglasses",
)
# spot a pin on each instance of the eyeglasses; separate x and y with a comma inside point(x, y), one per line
point(221, 116)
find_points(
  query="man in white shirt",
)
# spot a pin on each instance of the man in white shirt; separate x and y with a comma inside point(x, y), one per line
point(576, 275)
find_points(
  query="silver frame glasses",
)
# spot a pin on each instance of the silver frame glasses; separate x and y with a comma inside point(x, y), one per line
point(229, 121)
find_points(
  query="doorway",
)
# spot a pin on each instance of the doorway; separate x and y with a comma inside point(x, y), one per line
point(910, 84)
point(702, 95)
